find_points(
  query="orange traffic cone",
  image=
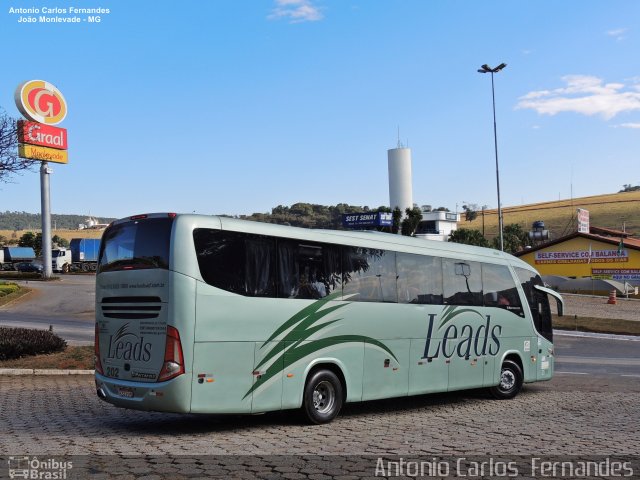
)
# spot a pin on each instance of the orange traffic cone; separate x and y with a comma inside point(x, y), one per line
point(612, 297)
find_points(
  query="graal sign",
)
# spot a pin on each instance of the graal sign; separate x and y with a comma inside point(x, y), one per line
point(41, 102)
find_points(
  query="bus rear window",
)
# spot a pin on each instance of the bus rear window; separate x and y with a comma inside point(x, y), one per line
point(135, 245)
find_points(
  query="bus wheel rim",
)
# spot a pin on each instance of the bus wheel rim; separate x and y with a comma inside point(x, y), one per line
point(507, 380)
point(324, 397)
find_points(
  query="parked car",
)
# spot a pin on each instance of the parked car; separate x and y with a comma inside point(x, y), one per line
point(29, 267)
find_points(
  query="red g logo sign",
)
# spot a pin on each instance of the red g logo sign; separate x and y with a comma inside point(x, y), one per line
point(41, 102)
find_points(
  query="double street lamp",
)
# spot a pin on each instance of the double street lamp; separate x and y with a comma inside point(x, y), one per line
point(487, 69)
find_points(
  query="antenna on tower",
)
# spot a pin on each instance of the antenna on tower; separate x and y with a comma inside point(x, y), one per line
point(400, 145)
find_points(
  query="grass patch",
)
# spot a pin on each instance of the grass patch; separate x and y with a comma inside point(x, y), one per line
point(73, 358)
point(9, 293)
point(7, 288)
point(597, 325)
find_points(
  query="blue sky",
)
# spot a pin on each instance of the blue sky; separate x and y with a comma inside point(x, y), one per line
point(242, 105)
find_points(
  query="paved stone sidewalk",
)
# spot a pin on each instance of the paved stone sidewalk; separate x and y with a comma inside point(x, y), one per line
point(62, 416)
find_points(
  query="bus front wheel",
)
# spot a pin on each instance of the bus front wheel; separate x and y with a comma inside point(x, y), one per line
point(511, 379)
point(322, 397)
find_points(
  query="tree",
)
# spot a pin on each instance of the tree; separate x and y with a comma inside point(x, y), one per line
point(627, 187)
point(411, 221)
point(397, 216)
point(59, 241)
point(514, 238)
point(10, 163)
point(34, 241)
point(27, 240)
point(470, 212)
point(468, 237)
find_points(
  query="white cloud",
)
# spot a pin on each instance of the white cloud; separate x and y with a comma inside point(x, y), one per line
point(617, 33)
point(296, 11)
point(629, 125)
point(586, 95)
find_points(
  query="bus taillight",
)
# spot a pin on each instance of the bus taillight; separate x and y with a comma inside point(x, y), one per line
point(96, 352)
point(173, 359)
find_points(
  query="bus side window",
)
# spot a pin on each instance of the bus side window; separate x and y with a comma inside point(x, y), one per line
point(499, 289)
point(236, 262)
point(419, 279)
point(369, 275)
point(462, 282)
point(307, 270)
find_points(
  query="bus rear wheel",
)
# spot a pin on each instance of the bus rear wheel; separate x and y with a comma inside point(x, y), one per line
point(322, 399)
point(511, 379)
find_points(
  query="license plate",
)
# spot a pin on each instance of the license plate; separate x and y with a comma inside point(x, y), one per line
point(125, 392)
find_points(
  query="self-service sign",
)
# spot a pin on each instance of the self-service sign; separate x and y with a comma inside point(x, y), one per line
point(34, 133)
point(40, 101)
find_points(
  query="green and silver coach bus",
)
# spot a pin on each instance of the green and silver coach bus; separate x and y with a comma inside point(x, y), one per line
point(207, 314)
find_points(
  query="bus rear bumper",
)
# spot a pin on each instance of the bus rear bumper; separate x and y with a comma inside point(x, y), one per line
point(171, 396)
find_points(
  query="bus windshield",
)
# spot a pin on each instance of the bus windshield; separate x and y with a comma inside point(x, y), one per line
point(136, 244)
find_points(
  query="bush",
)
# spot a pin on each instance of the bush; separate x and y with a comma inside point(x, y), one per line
point(22, 342)
point(7, 288)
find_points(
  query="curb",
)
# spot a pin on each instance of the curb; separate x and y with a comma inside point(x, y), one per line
point(43, 371)
point(609, 336)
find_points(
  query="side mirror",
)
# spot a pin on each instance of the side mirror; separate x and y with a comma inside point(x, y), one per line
point(555, 295)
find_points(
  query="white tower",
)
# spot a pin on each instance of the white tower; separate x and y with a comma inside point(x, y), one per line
point(400, 189)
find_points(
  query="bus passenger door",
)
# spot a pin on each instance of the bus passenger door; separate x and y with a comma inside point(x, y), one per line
point(384, 376)
point(267, 383)
point(544, 350)
point(426, 374)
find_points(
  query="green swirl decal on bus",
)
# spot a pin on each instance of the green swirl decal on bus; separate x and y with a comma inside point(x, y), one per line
point(301, 326)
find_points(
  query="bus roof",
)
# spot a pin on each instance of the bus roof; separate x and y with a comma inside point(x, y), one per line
point(368, 239)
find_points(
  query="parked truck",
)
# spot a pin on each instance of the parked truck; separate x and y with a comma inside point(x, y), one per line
point(11, 256)
point(84, 253)
point(61, 260)
point(81, 256)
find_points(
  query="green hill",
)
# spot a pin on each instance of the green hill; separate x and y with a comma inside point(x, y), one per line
point(615, 211)
point(31, 221)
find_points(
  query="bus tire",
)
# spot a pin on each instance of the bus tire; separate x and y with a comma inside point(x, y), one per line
point(322, 399)
point(511, 379)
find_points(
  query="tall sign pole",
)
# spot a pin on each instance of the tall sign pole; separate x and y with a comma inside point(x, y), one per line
point(45, 204)
point(43, 105)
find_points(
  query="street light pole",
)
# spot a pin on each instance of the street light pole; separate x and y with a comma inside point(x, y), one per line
point(487, 69)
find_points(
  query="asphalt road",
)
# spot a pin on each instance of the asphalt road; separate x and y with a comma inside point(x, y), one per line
point(67, 305)
point(584, 354)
